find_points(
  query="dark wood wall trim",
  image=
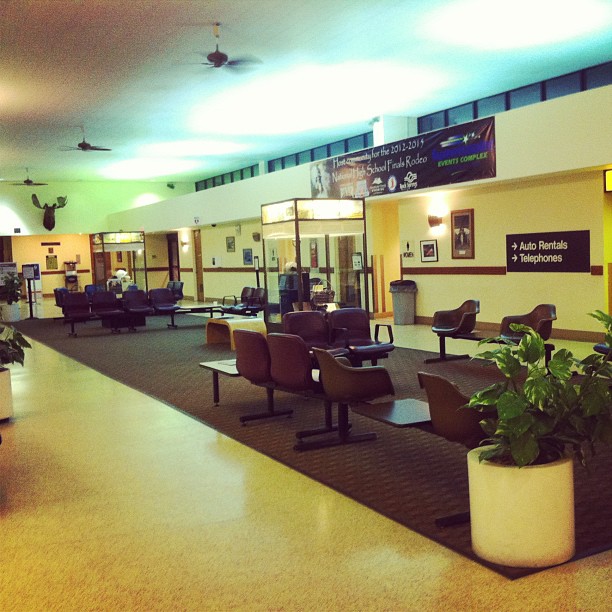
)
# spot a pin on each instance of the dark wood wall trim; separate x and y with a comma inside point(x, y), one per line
point(63, 272)
point(476, 270)
point(207, 270)
point(484, 270)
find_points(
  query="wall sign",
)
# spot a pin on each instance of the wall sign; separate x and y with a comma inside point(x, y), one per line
point(455, 154)
point(549, 252)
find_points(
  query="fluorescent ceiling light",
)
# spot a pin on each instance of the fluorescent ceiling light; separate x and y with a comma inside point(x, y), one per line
point(495, 24)
point(313, 97)
point(191, 148)
point(147, 167)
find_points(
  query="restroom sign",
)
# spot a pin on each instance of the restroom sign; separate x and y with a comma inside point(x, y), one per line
point(549, 252)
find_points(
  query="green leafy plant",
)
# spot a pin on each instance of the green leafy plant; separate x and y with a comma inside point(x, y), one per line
point(12, 287)
point(545, 410)
point(12, 345)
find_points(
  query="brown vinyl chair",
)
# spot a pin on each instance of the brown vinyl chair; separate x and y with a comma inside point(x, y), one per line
point(350, 328)
point(310, 325)
point(253, 363)
point(540, 319)
point(346, 385)
point(448, 417)
point(454, 323)
point(291, 369)
point(451, 421)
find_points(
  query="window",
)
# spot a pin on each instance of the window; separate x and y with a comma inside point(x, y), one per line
point(531, 94)
point(562, 86)
point(461, 114)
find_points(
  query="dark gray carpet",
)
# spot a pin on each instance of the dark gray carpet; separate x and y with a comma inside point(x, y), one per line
point(408, 475)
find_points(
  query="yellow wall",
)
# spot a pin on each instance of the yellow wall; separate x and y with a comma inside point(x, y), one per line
point(551, 204)
point(30, 249)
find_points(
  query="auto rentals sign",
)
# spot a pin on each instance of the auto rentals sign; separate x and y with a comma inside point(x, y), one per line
point(456, 154)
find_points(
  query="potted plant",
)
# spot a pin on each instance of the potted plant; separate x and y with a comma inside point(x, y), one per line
point(12, 295)
point(547, 414)
point(12, 345)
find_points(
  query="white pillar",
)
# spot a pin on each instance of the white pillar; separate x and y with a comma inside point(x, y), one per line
point(389, 128)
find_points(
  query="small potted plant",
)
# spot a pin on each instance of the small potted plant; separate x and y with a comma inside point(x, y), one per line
point(12, 295)
point(521, 480)
point(12, 345)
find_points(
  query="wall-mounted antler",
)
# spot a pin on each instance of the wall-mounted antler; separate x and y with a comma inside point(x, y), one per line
point(49, 218)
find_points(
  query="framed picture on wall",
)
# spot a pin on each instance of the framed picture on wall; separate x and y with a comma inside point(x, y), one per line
point(230, 244)
point(247, 257)
point(462, 233)
point(429, 250)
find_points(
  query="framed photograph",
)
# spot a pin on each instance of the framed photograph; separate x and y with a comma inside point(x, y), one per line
point(462, 233)
point(230, 244)
point(247, 257)
point(429, 250)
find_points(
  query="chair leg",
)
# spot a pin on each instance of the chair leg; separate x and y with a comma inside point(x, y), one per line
point(329, 426)
point(443, 356)
point(344, 434)
point(171, 325)
point(266, 415)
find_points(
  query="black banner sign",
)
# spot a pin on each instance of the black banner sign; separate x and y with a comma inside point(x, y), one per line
point(549, 252)
point(456, 154)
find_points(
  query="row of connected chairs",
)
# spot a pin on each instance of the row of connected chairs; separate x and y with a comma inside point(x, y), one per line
point(125, 312)
point(284, 362)
point(460, 323)
point(251, 301)
point(346, 330)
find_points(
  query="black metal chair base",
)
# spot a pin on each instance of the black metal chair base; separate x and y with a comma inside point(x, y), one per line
point(446, 358)
point(329, 442)
point(344, 432)
point(264, 415)
point(453, 519)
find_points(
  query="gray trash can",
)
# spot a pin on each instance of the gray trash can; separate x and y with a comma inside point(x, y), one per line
point(403, 293)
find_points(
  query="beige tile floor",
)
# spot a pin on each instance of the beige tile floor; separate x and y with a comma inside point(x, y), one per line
point(111, 500)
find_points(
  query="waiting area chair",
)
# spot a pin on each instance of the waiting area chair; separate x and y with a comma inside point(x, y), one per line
point(163, 302)
point(312, 327)
point(253, 363)
point(177, 289)
point(252, 300)
point(350, 328)
point(540, 319)
point(450, 419)
point(454, 323)
point(344, 385)
point(75, 307)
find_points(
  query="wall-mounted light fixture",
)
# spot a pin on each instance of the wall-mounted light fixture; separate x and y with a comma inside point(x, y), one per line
point(434, 221)
point(184, 246)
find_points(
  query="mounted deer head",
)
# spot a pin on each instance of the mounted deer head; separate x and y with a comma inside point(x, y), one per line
point(49, 218)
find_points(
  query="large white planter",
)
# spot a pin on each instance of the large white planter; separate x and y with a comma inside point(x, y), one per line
point(6, 394)
point(522, 517)
point(10, 312)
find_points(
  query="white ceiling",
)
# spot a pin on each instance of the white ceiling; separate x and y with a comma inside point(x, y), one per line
point(127, 71)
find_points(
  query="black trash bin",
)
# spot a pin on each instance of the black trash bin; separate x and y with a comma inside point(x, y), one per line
point(403, 293)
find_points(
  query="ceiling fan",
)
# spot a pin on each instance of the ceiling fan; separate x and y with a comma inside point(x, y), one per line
point(218, 59)
point(85, 146)
point(28, 181)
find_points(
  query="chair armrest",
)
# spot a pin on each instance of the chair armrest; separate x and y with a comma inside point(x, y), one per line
point(373, 382)
point(339, 333)
point(233, 297)
point(389, 331)
point(445, 318)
